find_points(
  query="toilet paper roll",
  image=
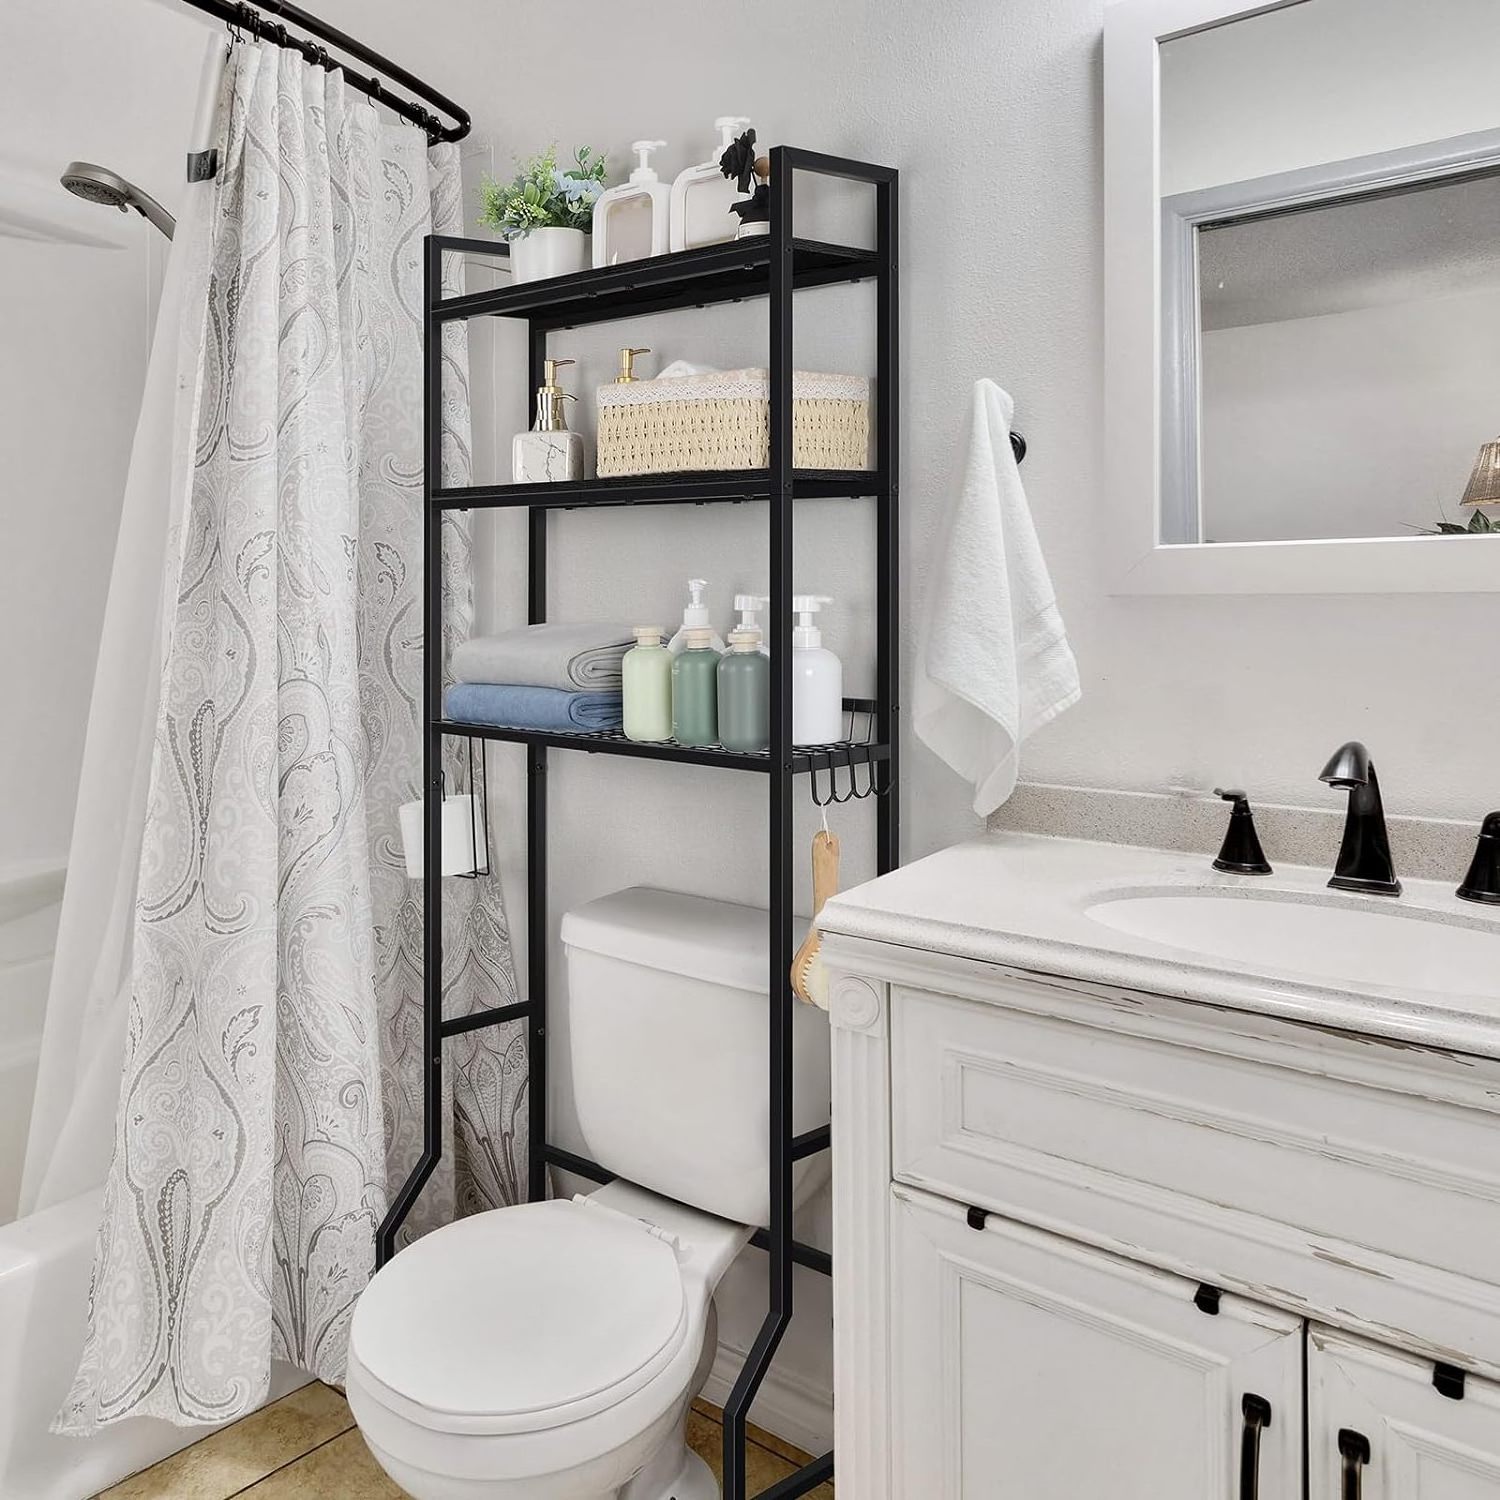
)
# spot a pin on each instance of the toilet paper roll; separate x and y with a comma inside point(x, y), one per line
point(459, 823)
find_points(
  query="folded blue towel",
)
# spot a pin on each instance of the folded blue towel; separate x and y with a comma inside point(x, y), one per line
point(516, 706)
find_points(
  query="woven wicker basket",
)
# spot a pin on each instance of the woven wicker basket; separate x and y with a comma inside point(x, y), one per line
point(721, 421)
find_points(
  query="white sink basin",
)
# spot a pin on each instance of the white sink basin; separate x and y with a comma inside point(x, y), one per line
point(1386, 946)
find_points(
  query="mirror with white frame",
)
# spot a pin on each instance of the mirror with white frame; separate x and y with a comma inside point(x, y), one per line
point(1303, 293)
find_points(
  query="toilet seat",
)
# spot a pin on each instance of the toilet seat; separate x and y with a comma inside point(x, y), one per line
point(520, 1320)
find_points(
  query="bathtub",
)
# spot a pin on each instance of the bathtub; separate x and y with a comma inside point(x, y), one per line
point(46, 1257)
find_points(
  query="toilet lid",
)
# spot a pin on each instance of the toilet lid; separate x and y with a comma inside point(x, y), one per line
point(521, 1318)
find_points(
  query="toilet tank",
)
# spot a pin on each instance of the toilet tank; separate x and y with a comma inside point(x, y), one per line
point(668, 1041)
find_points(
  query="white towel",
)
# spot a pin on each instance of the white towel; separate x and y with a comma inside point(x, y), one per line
point(994, 663)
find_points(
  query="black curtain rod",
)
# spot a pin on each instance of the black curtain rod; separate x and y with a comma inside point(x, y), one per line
point(249, 18)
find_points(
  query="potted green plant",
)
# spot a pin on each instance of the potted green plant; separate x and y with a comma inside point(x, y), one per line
point(544, 212)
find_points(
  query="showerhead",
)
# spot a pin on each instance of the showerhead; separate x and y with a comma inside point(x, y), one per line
point(99, 185)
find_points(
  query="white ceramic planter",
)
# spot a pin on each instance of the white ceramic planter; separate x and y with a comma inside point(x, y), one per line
point(548, 252)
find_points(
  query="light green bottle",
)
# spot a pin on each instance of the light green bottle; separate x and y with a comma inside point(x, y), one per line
point(745, 693)
point(647, 686)
point(695, 690)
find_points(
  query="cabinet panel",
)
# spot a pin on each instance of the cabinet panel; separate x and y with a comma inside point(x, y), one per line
point(1421, 1444)
point(1299, 1163)
point(1026, 1367)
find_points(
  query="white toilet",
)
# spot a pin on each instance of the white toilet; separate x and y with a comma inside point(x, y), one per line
point(551, 1350)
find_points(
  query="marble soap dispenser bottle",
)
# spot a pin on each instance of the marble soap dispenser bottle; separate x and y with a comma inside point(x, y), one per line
point(549, 452)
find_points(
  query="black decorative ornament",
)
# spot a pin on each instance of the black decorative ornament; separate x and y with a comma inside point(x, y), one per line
point(756, 209)
point(738, 161)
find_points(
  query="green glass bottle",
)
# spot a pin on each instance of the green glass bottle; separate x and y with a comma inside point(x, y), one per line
point(695, 690)
point(745, 694)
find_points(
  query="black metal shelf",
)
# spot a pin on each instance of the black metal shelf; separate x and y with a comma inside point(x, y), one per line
point(664, 283)
point(841, 754)
point(733, 487)
point(774, 266)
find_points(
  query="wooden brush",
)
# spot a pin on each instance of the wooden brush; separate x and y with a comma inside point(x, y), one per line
point(808, 982)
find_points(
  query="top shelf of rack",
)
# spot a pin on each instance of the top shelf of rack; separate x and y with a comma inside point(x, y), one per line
point(662, 283)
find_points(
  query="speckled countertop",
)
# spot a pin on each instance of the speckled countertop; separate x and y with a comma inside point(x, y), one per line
point(1024, 901)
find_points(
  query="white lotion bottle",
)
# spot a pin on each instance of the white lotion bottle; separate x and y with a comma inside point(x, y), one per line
point(702, 195)
point(749, 606)
point(817, 679)
point(633, 220)
point(549, 452)
point(695, 617)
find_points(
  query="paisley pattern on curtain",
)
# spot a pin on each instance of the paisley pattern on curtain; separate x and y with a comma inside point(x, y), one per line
point(271, 1100)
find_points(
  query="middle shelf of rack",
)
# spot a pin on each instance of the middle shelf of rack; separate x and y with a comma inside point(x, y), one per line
point(841, 755)
point(732, 486)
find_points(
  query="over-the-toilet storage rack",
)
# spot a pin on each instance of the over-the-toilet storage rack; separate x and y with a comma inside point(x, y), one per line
point(774, 266)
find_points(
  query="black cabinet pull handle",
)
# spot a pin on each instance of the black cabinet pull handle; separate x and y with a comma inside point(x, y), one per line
point(1355, 1449)
point(1257, 1414)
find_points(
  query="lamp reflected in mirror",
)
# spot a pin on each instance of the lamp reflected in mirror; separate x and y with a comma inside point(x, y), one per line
point(1484, 482)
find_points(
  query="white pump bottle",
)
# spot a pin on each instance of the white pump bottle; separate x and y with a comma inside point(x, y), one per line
point(633, 220)
point(695, 617)
point(817, 679)
point(702, 195)
point(749, 606)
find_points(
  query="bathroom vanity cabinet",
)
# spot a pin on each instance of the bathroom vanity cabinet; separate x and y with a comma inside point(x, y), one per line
point(1095, 1240)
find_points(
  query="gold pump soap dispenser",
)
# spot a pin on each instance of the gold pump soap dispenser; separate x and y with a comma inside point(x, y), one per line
point(627, 366)
point(549, 452)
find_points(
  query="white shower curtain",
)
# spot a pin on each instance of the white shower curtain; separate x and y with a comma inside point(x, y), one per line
point(270, 1099)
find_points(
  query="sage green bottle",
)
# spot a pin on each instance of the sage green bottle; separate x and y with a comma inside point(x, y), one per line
point(744, 693)
point(646, 683)
point(695, 690)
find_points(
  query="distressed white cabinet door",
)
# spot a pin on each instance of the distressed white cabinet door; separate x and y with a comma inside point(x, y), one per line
point(1027, 1367)
point(1379, 1430)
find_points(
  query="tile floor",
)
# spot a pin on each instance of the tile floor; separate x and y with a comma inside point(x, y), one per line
point(306, 1447)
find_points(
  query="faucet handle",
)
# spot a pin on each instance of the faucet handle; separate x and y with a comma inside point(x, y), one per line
point(1482, 883)
point(1241, 853)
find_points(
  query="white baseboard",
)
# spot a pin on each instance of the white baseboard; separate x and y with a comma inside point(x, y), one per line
point(790, 1405)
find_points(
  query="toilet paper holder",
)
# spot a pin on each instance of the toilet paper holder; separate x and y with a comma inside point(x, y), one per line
point(465, 821)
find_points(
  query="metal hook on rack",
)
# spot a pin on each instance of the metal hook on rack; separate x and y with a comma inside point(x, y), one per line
point(853, 791)
point(833, 758)
point(821, 803)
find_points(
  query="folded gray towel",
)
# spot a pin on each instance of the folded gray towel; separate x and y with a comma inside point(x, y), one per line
point(569, 657)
